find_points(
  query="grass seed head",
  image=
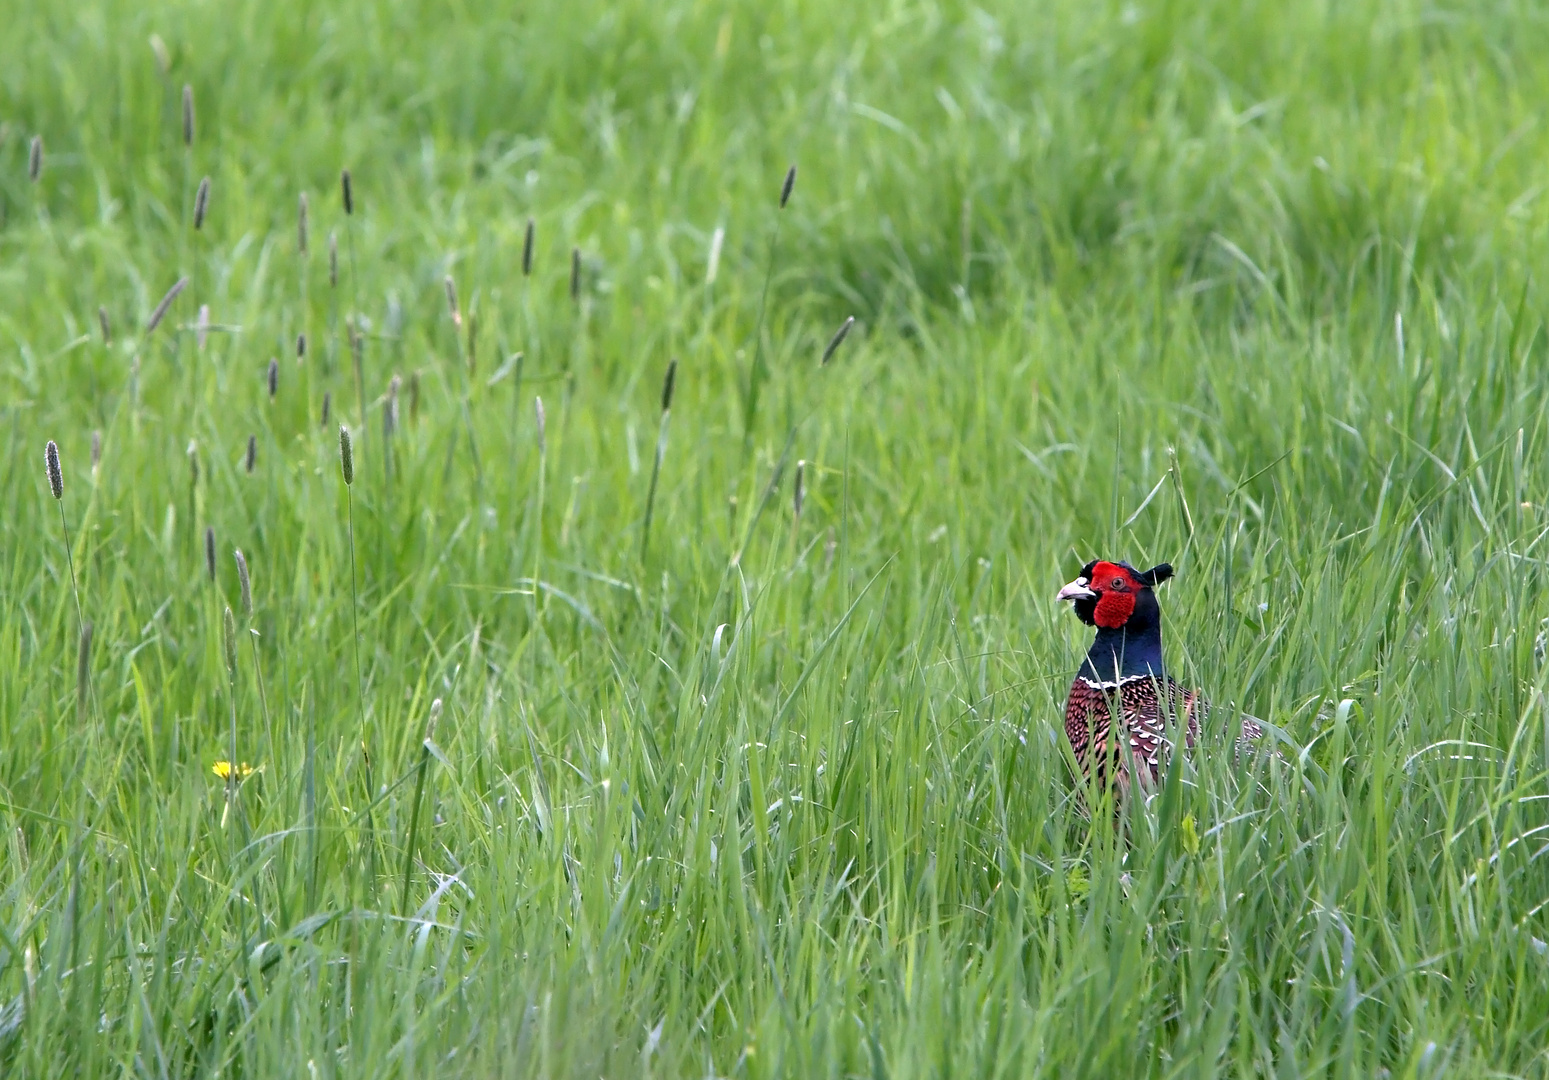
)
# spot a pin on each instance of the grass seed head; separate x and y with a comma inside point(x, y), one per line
point(527, 249)
point(229, 624)
point(107, 327)
point(575, 274)
point(301, 225)
point(333, 260)
point(201, 202)
point(166, 302)
point(667, 384)
point(35, 159)
point(713, 267)
point(346, 455)
point(785, 188)
point(246, 582)
point(56, 477)
point(451, 302)
point(799, 493)
point(435, 716)
point(348, 190)
point(96, 448)
point(274, 377)
point(252, 453)
point(159, 51)
point(837, 340)
point(301, 347)
point(209, 550)
point(327, 405)
point(188, 116)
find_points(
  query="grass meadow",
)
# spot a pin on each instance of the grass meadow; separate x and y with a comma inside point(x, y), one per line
point(728, 780)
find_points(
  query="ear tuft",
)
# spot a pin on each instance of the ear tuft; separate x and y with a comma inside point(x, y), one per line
point(1156, 575)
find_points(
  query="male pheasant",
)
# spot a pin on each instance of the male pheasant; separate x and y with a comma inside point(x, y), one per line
point(1122, 700)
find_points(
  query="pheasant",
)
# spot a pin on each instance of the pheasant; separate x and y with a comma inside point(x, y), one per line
point(1122, 700)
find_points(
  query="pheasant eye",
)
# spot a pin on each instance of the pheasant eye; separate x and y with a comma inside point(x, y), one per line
point(1118, 584)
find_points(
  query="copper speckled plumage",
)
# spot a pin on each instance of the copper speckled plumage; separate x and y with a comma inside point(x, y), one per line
point(1123, 709)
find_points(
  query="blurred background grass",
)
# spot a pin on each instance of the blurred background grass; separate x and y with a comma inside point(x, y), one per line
point(786, 795)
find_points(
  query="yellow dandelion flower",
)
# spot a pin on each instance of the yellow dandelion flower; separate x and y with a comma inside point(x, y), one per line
point(223, 770)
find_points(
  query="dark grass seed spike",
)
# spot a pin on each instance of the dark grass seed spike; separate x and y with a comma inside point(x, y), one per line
point(301, 225)
point(668, 384)
point(333, 260)
point(798, 493)
point(188, 116)
point(348, 190)
point(786, 188)
point(96, 449)
point(327, 406)
point(56, 478)
point(166, 302)
point(107, 328)
point(274, 378)
point(193, 463)
point(201, 203)
point(527, 242)
point(575, 274)
point(252, 453)
point(301, 347)
point(837, 340)
point(209, 550)
point(35, 159)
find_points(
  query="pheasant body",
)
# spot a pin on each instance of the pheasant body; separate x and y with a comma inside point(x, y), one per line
point(1124, 711)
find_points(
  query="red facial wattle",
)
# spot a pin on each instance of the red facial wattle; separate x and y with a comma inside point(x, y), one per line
point(1116, 588)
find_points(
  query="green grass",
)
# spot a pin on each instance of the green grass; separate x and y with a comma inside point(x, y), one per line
point(790, 797)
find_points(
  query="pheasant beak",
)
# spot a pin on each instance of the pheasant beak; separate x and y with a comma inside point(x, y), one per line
point(1076, 590)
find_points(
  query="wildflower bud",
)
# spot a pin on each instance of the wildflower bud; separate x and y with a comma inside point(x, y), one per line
point(247, 584)
point(346, 455)
point(56, 478)
point(785, 188)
